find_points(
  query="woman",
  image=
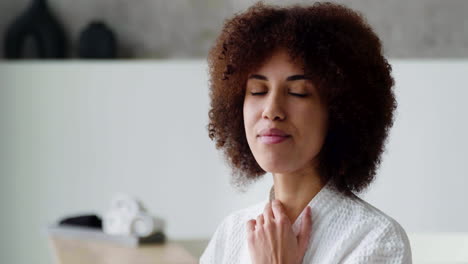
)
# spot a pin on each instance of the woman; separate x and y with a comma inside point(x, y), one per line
point(303, 92)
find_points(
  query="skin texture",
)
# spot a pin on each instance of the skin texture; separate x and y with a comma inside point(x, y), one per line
point(272, 240)
point(345, 58)
point(271, 101)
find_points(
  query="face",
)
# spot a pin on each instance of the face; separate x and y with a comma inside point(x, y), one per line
point(278, 95)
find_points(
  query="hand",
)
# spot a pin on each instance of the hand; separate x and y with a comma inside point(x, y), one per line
point(272, 240)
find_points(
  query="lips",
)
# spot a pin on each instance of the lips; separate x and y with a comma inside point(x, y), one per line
point(273, 139)
point(273, 136)
point(273, 132)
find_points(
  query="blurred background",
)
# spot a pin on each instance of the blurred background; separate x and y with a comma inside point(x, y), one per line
point(79, 123)
point(187, 28)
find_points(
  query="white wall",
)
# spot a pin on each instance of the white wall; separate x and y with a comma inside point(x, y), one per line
point(72, 134)
point(423, 177)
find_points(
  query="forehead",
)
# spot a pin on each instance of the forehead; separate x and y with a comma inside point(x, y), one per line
point(280, 63)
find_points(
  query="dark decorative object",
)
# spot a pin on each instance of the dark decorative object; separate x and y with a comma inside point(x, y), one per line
point(41, 29)
point(92, 221)
point(82, 224)
point(97, 41)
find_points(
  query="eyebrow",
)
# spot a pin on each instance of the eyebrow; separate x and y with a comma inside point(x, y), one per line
point(290, 78)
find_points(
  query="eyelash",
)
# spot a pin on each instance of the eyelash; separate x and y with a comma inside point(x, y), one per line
point(294, 94)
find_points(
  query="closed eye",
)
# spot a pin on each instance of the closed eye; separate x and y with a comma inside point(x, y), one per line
point(294, 94)
point(258, 93)
point(298, 95)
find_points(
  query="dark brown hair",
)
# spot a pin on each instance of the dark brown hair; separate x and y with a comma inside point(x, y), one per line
point(345, 59)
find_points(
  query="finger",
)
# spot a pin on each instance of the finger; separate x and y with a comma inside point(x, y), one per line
point(268, 213)
point(251, 226)
point(306, 228)
point(279, 213)
point(251, 231)
point(260, 221)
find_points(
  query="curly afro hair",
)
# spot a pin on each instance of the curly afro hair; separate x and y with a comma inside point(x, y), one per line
point(344, 57)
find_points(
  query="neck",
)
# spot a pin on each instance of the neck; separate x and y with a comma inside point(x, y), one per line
point(295, 190)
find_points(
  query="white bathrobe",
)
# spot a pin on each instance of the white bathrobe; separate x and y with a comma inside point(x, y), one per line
point(344, 230)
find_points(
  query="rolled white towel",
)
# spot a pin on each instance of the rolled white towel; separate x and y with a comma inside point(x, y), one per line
point(126, 204)
point(116, 223)
point(143, 225)
point(127, 216)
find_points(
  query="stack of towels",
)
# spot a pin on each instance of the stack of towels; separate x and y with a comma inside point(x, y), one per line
point(127, 216)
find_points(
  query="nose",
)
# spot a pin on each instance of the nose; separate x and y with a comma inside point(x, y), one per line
point(273, 108)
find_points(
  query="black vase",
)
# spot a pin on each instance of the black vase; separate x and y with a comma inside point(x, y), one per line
point(38, 26)
point(97, 41)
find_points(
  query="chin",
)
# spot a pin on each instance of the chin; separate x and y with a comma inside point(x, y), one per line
point(275, 167)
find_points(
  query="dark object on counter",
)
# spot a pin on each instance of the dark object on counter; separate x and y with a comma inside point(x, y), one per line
point(97, 41)
point(92, 221)
point(158, 237)
point(38, 25)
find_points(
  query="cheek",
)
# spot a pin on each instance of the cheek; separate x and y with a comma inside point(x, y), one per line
point(314, 124)
point(249, 113)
